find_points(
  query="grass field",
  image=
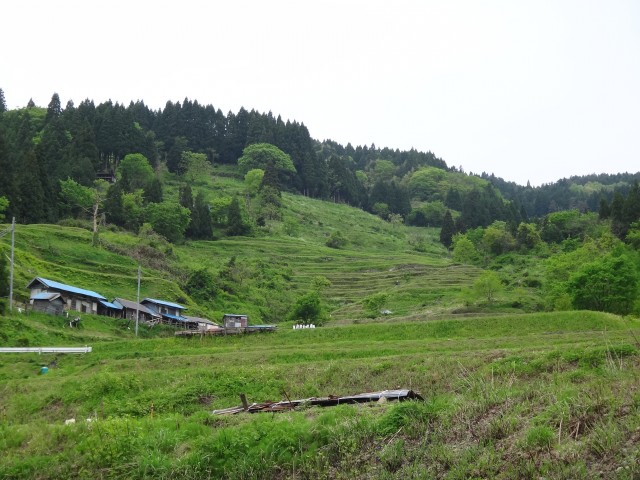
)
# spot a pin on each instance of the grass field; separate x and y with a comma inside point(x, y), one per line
point(521, 396)
point(407, 263)
point(508, 393)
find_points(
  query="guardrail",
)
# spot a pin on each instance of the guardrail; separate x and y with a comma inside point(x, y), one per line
point(45, 350)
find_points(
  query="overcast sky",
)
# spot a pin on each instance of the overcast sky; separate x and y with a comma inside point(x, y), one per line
point(529, 90)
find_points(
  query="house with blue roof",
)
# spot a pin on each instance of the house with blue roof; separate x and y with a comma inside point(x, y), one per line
point(45, 291)
point(172, 313)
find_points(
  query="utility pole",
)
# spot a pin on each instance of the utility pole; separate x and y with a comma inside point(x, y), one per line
point(12, 229)
point(138, 302)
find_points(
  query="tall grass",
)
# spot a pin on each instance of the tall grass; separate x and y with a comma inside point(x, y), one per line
point(505, 397)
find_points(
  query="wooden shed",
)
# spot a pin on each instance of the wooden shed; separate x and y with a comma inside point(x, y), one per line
point(233, 320)
point(51, 303)
point(132, 309)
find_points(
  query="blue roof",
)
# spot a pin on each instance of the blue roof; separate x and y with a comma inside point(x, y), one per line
point(66, 288)
point(45, 296)
point(162, 302)
point(179, 319)
point(110, 305)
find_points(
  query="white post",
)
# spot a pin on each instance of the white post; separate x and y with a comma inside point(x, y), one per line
point(138, 302)
point(13, 236)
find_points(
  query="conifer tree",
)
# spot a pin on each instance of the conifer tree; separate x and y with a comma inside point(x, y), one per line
point(30, 199)
point(186, 196)
point(448, 229)
point(235, 224)
point(7, 184)
point(604, 210)
point(54, 110)
point(114, 205)
point(3, 102)
point(203, 226)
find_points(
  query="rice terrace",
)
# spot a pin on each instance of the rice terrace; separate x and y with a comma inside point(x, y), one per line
point(186, 294)
point(506, 394)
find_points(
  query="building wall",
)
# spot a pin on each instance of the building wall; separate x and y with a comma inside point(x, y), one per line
point(45, 306)
point(235, 322)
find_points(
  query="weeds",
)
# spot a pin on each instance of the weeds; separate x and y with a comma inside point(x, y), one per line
point(498, 404)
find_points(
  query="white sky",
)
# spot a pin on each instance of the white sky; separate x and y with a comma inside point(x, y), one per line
point(529, 90)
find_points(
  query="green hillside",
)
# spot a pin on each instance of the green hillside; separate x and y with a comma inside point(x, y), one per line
point(278, 263)
point(507, 393)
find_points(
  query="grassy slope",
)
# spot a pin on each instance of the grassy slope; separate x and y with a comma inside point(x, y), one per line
point(378, 257)
point(506, 396)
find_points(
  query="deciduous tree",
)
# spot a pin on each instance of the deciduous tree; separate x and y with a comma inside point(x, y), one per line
point(90, 200)
point(196, 168)
point(487, 286)
point(135, 172)
point(169, 219)
point(260, 155)
point(308, 308)
point(607, 285)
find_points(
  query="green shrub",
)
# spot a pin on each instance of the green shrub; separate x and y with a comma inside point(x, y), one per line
point(336, 240)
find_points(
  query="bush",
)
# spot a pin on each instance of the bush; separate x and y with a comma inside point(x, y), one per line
point(307, 308)
point(374, 303)
point(336, 240)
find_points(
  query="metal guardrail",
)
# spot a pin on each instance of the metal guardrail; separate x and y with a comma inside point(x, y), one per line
point(45, 350)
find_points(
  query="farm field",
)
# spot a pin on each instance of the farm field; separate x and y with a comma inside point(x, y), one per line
point(509, 391)
point(407, 263)
point(509, 396)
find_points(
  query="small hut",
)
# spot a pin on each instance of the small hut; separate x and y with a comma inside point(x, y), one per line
point(51, 303)
point(232, 320)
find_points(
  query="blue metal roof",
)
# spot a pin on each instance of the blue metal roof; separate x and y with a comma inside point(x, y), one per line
point(162, 302)
point(66, 288)
point(110, 305)
point(45, 296)
point(179, 319)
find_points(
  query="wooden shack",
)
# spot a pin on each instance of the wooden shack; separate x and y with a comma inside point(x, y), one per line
point(51, 303)
point(232, 320)
point(132, 309)
point(204, 324)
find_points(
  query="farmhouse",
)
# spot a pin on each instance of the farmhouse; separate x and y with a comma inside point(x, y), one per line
point(131, 309)
point(74, 298)
point(109, 309)
point(171, 313)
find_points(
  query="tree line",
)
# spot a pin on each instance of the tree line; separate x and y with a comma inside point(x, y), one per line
point(42, 147)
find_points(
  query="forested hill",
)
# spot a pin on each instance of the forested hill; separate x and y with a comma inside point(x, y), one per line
point(584, 193)
point(40, 147)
